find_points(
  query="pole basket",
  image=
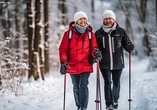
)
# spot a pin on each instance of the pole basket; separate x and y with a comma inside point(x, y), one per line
point(97, 101)
point(129, 100)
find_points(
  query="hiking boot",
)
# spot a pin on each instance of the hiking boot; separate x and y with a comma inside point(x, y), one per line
point(78, 108)
point(110, 107)
point(115, 104)
point(83, 109)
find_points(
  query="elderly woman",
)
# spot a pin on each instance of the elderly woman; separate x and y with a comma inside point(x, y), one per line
point(78, 43)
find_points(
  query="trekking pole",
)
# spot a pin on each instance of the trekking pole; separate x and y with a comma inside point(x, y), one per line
point(64, 92)
point(129, 82)
point(98, 90)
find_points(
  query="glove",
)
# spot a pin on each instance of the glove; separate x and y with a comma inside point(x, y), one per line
point(92, 60)
point(130, 47)
point(64, 67)
point(97, 54)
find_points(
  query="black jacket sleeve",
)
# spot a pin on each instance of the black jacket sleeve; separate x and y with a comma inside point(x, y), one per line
point(126, 42)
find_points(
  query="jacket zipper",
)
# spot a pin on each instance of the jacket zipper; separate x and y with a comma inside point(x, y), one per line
point(122, 59)
point(82, 44)
point(103, 42)
point(110, 50)
point(113, 45)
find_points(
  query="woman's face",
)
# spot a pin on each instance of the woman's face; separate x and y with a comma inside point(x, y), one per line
point(82, 21)
point(108, 21)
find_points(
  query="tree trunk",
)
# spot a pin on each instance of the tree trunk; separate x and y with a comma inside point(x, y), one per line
point(93, 12)
point(156, 15)
point(17, 27)
point(63, 10)
point(29, 35)
point(93, 9)
point(128, 23)
point(37, 38)
point(142, 15)
point(46, 36)
point(35, 67)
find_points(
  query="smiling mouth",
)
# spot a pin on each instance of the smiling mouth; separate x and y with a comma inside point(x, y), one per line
point(109, 24)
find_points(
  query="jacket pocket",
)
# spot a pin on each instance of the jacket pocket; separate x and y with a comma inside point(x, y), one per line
point(118, 41)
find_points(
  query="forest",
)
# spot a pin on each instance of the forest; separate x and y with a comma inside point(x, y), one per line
point(31, 31)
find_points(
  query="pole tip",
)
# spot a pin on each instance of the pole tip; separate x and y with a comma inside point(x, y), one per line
point(129, 100)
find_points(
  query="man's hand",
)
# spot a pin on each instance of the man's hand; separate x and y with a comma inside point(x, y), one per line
point(97, 54)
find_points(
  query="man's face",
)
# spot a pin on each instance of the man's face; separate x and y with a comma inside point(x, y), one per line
point(108, 21)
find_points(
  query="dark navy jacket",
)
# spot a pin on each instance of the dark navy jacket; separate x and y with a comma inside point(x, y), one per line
point(112, 47)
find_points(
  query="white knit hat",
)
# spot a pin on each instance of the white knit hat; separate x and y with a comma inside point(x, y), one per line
point(79, 15)
point(108, 14)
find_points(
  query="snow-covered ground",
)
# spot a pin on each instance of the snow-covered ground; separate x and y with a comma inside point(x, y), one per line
point(48, 94)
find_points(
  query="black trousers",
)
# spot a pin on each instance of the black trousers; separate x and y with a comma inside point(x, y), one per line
point(111, 90)
point(80, 89)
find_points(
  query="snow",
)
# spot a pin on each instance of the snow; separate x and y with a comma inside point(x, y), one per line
point(48, 94)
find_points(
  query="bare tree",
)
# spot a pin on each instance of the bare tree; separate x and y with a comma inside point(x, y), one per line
point(156, 14)
point(93, 9)
point(63, 10)
point(29, 34)
point(37, 36)
point(17, 26)
point(46, 36)
point(153, 45)
point(38, 57)
point(142, 10)
point(128, 23)
point(12, 70)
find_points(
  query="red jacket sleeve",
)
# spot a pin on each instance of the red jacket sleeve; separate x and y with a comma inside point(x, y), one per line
point(63, 48)
point(93, 43)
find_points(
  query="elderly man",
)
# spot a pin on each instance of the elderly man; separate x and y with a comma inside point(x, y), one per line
point(112, 39)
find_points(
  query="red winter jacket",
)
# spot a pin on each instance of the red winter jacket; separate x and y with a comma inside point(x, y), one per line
point(76, 52)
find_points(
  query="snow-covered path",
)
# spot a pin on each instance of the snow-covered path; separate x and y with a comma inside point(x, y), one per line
point(48, 94)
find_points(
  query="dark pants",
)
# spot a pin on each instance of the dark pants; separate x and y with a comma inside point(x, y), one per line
point(80, 89)
point(111, 91)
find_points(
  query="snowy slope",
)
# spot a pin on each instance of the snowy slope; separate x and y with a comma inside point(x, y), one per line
point(48, 94)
